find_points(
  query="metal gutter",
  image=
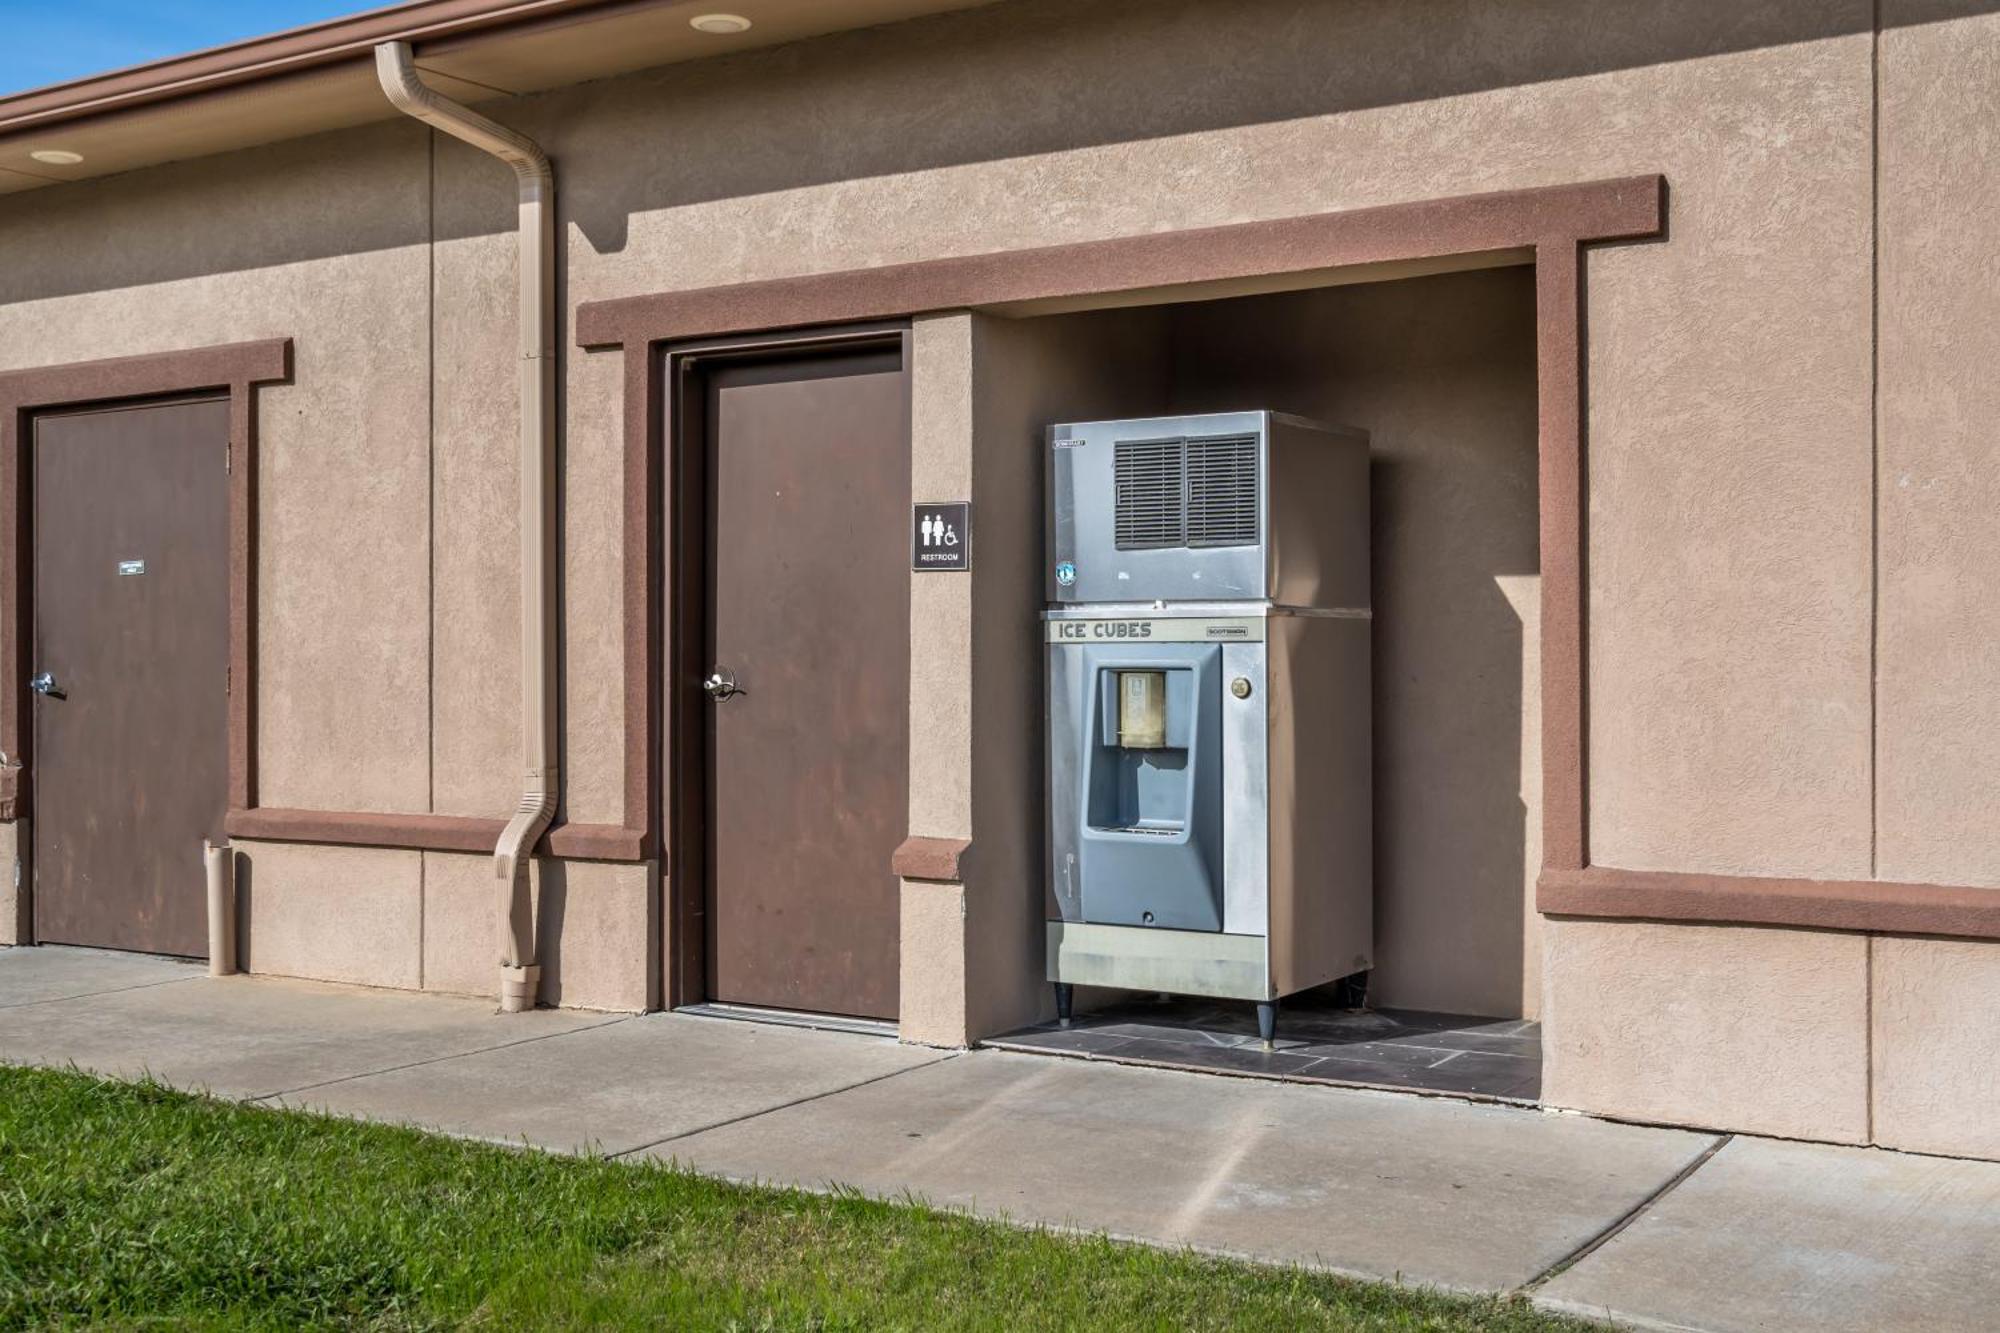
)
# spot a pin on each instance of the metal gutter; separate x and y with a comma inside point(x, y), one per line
point(352, 38)
point(396, 68)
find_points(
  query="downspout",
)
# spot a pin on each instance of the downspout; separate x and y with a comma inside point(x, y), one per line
point(395, 67)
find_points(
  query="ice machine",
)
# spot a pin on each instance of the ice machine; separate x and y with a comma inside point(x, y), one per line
point(1208, 707)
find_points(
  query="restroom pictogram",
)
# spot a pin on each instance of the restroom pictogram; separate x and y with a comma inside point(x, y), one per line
point(941, 536)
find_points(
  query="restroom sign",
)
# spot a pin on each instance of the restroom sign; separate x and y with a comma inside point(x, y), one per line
point(941, 535)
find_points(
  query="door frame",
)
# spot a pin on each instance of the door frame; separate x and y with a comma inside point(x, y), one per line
point(234, 370)
point(680, 599)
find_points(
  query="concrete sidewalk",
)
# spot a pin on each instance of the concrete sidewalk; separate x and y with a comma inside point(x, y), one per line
point(1655, 1227)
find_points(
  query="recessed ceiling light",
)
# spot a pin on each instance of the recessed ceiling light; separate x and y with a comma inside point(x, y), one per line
point(56, 157)
point(719, 24)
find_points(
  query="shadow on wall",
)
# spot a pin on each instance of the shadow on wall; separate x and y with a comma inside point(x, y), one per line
point(1441, 372)
point(550, 902)
point(1004, 81)
point(246, 889)
point(1038, 77)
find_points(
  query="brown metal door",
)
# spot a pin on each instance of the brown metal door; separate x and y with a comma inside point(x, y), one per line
point(809, 608)
point(131, 611)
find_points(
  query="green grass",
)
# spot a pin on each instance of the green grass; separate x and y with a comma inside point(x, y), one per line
point(124, 1204)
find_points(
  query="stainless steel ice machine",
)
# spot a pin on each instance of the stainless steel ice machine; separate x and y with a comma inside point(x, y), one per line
point(1208, 706)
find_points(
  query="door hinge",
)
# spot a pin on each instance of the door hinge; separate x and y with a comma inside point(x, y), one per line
point(229, 680)
point(229, 457)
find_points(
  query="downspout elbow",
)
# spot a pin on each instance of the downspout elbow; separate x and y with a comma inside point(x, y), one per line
point(396, 71)
point(532, 817)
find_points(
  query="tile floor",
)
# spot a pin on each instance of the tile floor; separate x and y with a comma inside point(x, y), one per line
point(1318, 1042)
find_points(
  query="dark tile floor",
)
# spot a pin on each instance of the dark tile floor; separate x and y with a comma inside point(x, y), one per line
point(1318, 1042)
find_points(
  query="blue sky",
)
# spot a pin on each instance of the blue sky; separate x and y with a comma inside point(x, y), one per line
point(52, 41)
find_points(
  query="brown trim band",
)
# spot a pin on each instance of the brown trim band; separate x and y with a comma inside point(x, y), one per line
point(1475, 224)
point(430, 833)
point(1815, 904)
point(234, 368)
point(941, 859)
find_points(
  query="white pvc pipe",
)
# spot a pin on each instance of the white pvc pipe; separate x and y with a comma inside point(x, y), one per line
point(396, 69)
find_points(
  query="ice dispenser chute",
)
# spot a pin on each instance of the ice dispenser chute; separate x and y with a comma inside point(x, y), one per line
point(1151, 845)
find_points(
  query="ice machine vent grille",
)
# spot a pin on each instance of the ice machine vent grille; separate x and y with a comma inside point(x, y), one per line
point(1151, 485)
point(1222, 491)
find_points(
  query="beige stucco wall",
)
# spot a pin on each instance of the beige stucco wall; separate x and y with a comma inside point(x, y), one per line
point(933, 945)
point(16, 916)
point(1727, 1027)
point(1936, 1039)
point(352, 914)
point(1731, 371)
point(324, 242)
point(982, 388)
point(1939, 475)
point(1852, 1038)
point(592, 918)
point(388, 610)
point(1730, 717)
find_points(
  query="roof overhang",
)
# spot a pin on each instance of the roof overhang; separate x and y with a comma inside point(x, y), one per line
point(322, 77)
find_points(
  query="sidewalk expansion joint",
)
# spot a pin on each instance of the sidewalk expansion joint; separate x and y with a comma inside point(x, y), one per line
point(1631, 1215)
point(437, 1059)
point(784, 1106)
point(96, 994)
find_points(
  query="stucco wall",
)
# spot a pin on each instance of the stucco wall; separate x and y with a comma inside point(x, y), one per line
point(1727, 1027)
point(1939, 474)
point(388, 608)
point(982, 389)
point(323, 241)
point(1733, 455)
point(1729, 406)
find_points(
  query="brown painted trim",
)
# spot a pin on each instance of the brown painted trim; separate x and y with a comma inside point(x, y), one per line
point(1815, 904)
point(201, 368)
point(437, 833)
point(235, 369)
point(433, 833)
point(1563, 506)
point(1392, 233)
point(643, 536)
point(940, 859)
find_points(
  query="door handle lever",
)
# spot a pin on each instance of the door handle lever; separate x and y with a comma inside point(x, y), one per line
point(45, 683)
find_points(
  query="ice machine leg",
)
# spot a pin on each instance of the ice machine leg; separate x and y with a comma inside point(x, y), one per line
point(1267, 1022)
point(1065, 1001)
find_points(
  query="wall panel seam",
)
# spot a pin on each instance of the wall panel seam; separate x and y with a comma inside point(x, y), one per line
point(1875, 442)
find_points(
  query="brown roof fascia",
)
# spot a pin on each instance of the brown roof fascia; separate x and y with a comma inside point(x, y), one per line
point(299, 49)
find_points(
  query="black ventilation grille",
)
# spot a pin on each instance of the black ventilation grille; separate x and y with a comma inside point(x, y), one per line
point(1222, 491)
point(1200, 492)
point(1150, 477)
